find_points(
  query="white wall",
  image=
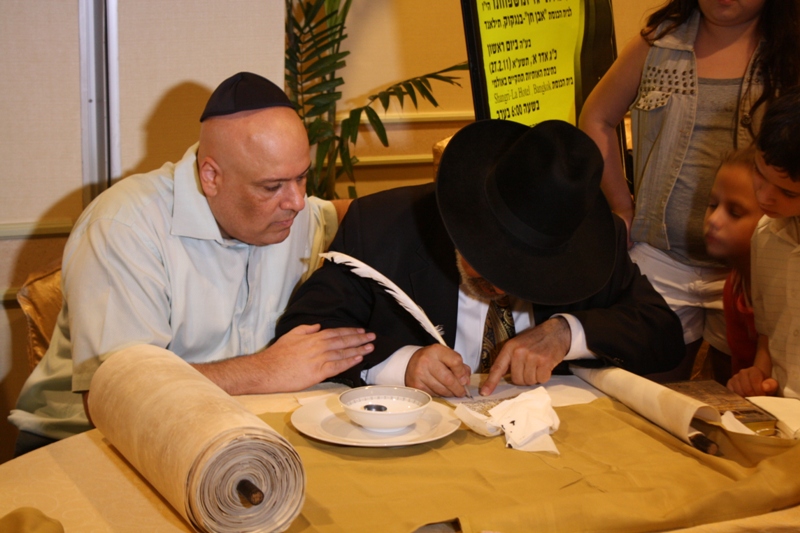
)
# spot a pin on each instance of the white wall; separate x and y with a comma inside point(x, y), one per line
point(172, 55)
point(41, 153)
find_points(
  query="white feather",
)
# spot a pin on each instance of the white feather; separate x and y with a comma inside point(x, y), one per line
point(366, 271)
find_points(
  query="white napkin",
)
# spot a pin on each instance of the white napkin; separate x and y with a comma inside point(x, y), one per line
point(527, 421)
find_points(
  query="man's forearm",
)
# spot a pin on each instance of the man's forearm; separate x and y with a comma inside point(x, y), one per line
point(763, 360)
point(236, 376)
point(85, 395)
point(303, 357)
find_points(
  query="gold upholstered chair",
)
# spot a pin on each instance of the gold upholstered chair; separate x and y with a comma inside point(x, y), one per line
point(40, 300)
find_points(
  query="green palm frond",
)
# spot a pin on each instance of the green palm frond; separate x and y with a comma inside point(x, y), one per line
point(315, 30)
point(410, 88)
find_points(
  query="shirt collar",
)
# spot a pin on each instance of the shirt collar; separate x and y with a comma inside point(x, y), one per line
point(191, 215)
point(787, 229)
point(682, 37)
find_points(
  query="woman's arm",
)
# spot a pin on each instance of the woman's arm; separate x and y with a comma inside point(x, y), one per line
point(604, 110)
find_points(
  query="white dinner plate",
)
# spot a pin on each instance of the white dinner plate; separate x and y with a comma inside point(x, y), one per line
point(325, 420)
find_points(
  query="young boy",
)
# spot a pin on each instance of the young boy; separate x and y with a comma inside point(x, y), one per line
point(731, 218)
point(775, 251)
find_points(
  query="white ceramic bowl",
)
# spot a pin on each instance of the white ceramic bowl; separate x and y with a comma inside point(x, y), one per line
point(404, 406)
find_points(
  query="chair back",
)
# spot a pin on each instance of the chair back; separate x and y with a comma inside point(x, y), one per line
point(40, 299)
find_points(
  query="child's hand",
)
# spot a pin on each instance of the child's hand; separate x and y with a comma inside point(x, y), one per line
point(752, 382)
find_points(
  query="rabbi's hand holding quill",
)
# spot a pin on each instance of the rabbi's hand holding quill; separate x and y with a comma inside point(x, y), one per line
point(529, 358)
point(437, 369)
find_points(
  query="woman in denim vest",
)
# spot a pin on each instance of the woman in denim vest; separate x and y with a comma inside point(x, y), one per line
point(696, 84)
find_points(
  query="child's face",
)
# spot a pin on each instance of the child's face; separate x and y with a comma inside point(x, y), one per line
point(778, 195)
point(732, 213)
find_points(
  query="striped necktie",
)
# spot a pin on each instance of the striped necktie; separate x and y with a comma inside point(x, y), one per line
point(499, 327)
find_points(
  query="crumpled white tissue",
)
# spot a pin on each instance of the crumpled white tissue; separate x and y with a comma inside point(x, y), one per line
point(527, 421)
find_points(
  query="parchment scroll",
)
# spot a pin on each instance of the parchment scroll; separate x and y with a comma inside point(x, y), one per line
point(671, 410)
point(194, 443)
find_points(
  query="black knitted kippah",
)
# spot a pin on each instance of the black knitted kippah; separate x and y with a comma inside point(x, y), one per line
point(244, 91)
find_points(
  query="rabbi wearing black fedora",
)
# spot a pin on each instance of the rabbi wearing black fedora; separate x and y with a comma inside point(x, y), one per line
point(513, 252)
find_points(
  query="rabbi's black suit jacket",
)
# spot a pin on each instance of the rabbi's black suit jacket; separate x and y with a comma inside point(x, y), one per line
point(400, 233)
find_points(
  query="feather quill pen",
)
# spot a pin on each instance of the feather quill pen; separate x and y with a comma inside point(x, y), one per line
point(365, 271)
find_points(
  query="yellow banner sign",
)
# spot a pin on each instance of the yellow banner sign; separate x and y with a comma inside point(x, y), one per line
point(530, 51)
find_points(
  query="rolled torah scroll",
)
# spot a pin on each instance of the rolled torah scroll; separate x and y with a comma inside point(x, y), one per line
point(195, 444)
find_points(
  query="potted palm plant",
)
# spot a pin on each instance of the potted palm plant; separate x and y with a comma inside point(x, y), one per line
point(315, 30)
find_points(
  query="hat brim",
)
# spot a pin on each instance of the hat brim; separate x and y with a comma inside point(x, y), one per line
point(577, 270)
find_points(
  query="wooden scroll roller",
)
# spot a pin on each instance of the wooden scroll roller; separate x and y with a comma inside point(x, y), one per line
point(249, 492)
point(704, 444)
point(220, 466)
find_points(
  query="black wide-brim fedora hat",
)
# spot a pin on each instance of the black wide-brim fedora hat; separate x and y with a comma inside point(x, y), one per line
point(524, 208)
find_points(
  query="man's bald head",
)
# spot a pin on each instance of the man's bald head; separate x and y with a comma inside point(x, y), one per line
point(252, 167)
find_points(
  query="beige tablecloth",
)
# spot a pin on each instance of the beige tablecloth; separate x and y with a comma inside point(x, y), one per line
point(616, 472)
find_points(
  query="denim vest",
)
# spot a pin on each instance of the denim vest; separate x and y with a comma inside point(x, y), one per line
point(662, 119)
